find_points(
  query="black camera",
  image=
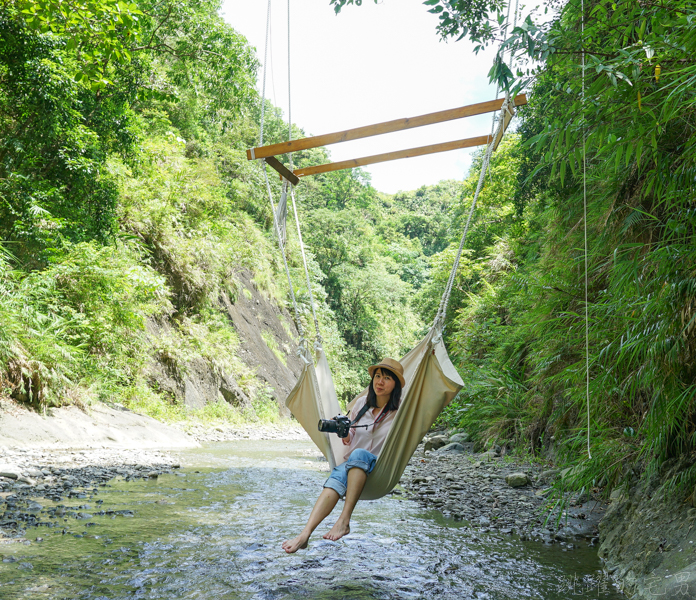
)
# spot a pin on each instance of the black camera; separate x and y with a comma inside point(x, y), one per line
point(339, 425)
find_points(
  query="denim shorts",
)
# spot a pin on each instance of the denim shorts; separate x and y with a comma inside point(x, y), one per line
point(338, 480)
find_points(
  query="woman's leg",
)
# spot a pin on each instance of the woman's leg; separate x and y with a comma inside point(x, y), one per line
point(323, 507)
point(356, 482)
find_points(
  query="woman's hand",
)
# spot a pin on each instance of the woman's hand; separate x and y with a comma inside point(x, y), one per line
point(347, 440)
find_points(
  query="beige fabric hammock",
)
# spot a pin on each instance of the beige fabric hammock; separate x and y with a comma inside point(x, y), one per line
point(431, 384)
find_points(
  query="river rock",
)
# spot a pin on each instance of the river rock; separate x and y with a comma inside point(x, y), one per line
point(460, 438)
point(435, 442)
point(516, 479)
point(453, 448)
point(549, 474)
point(10, 471)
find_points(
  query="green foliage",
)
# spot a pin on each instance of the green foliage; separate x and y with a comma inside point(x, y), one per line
point(79, 322)
point(522, 330)
point(76, 88)
point(101, 31)
point(56, 133)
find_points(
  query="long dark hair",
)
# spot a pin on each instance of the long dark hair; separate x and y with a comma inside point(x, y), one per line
point(394, 399)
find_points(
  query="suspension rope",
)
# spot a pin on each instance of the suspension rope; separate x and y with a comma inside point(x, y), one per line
point(584, 207)
point(304, 260)
point(265, 69)
point(300, 329)
point(442, 311)
point(303, 351)
point(485, 166)
point(289, 95)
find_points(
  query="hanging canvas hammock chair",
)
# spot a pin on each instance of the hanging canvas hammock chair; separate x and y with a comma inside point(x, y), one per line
point(431, 379)
point(431, 383)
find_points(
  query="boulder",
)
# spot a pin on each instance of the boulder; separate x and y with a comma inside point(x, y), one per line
point(549, 474)
point(435, 442)
point(460, 438)
point(453, 448)
point(516, 479)
point(488, 456)
point(10, 471)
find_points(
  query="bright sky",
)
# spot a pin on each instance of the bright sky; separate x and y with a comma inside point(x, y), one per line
point(370, 63)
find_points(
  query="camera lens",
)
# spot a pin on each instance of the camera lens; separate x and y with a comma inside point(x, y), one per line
point(328, 425)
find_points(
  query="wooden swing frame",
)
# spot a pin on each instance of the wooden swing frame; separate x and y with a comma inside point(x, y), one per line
point(269, 153)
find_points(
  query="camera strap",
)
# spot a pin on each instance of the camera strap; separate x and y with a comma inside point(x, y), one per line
point(360, 415)
point(362, 412)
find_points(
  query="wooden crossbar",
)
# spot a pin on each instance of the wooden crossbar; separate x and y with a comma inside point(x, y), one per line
point(283, 171)
point(380, 128)
point(377, 158)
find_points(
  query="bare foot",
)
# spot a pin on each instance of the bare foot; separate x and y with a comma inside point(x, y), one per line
point(295, 544)
point(337, 531)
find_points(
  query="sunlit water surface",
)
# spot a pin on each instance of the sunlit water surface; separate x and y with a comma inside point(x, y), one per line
point(214, 532)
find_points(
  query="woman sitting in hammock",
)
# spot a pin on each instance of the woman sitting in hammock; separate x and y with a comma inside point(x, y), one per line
point(364, 443)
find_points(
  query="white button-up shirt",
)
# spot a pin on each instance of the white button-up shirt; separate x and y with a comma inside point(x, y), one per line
point(370, 438)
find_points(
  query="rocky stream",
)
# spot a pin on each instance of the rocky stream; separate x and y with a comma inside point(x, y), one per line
point(208, 523)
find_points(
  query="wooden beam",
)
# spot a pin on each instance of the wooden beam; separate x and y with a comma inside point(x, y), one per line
point(272, 161)
point(380, 128)
point(378, 158)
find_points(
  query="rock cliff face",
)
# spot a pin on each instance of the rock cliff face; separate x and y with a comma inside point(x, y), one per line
point(258, 323)
point(648, 541)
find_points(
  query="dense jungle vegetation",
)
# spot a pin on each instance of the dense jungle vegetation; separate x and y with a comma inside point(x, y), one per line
point(518, 333)
point(129, 207)
point(127, 199)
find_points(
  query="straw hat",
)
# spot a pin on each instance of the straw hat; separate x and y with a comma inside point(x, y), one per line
point(393, 365)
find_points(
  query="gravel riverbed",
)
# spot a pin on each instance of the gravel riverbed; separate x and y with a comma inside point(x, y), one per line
point(495, 493)
point(70, 480)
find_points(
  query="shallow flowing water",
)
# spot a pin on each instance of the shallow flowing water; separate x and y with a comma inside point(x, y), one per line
point(214, 530)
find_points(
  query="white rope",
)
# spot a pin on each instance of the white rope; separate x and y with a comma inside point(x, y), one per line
point(303, 350)
point(584, 205)
point(442, 312)
point(294, 204)
point(300, 329)
point(265, 69)
point(304, 260)
point(289, 96)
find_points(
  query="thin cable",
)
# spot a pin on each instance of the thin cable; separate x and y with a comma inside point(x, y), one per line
point(444, 302)
point(270, 64)
point(265, 69)
point(584, 205)
point(289, 95)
